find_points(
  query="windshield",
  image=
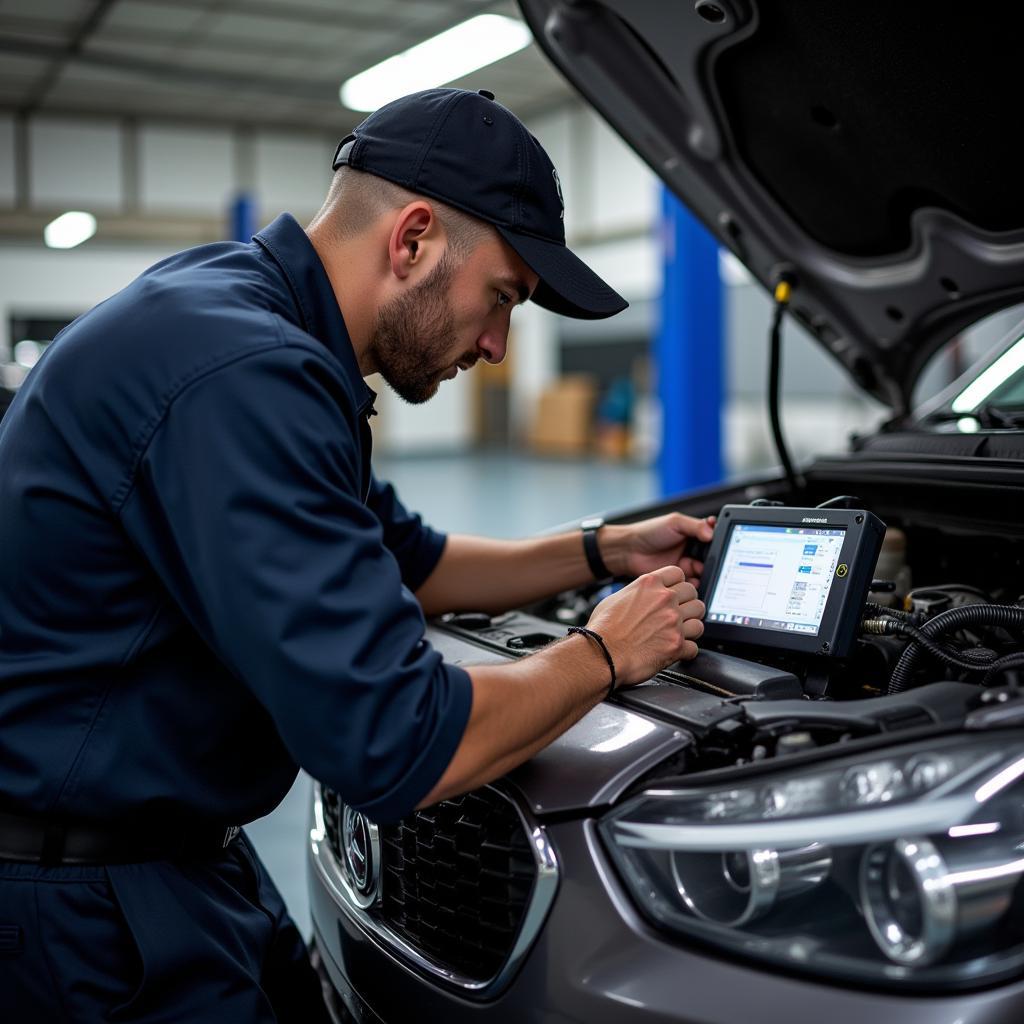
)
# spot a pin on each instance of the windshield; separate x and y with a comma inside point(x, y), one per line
point(998, 386)
point(989, 395)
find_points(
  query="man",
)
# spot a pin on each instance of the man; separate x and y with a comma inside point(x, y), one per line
point(203, 586)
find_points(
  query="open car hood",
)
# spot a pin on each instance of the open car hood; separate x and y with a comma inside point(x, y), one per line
point(872, 150)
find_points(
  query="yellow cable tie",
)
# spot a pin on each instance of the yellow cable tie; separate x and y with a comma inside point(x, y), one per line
point(782, 292)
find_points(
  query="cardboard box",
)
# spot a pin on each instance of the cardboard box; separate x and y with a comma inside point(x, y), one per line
point(563, 420)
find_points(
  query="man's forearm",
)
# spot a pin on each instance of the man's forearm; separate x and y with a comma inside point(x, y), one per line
point(479, 574)
point(520, 707)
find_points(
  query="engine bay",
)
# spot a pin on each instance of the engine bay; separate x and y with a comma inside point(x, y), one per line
point(937, 636)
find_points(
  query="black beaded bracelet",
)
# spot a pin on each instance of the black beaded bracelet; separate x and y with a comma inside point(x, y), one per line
point(595, 636)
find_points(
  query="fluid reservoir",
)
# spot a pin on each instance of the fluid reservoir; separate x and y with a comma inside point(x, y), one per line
point(892, 565)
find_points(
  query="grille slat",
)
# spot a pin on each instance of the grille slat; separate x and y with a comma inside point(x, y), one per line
point(456, 879)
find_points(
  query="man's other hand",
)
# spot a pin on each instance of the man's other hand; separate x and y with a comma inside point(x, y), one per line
point(654, 543)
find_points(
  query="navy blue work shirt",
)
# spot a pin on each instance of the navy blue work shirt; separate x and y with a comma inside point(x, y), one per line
point(202, 585)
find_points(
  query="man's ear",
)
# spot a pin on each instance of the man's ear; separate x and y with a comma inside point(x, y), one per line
point(415, 230)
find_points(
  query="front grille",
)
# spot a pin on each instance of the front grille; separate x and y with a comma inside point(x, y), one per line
point(456, 879)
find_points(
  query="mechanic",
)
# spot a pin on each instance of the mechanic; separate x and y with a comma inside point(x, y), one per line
point(203, 586)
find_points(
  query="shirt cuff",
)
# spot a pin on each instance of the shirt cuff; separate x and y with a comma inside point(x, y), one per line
point(428, 554)
point(422, 776)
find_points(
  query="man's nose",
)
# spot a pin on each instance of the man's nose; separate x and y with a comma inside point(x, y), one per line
point(493, 343)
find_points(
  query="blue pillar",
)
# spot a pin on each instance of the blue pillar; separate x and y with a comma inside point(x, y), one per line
point(689, 353)
point(243, 217)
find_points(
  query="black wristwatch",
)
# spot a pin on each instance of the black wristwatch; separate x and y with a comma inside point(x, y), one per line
point(590, 527)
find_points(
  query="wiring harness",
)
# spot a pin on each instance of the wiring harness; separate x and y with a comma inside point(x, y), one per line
point(929, 636)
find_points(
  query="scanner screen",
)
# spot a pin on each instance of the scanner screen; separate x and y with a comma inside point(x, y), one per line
point(776, 577)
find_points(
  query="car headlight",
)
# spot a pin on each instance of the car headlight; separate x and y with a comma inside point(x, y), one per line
point(900, 867)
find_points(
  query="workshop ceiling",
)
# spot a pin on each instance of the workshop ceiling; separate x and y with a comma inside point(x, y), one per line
point(258, 62)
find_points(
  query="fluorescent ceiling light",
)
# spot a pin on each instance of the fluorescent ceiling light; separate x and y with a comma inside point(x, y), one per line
point(69, 229)
point(444, 58)
point(1001, 370)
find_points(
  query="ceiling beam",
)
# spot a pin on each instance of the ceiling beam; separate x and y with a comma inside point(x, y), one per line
point(164, 71)
point(340, 16)
point(26, 31)
point(119, 228)
point(65, 53)
point(330, 128)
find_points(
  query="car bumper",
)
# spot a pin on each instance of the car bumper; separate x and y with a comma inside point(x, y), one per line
point(597, 961)
point(343, 1002)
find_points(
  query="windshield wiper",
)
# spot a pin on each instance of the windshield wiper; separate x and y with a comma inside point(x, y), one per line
point(988, 417)
point(1001, 417)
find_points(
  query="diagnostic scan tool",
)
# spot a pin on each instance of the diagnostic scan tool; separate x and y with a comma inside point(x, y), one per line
point(789, 578)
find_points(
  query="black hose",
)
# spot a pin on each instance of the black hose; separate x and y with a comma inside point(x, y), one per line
point(845, 501)
point(882, 612)
point(949, 622)
point(1008, 661)
point(972, 660)
point(774, 374)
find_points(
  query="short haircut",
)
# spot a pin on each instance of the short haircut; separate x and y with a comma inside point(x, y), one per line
point(356, 199)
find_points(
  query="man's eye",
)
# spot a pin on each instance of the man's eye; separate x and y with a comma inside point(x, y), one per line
point(503, 299)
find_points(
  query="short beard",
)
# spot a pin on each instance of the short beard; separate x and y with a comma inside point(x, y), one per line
point(414, 336)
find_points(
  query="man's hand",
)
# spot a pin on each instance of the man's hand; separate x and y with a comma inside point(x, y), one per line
point(520, 707)
point(654, 543)
point(650, 624)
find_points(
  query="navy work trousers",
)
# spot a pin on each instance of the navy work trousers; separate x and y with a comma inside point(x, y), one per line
point(198, 941)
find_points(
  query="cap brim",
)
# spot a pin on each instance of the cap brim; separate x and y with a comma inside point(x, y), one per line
point(567, 285)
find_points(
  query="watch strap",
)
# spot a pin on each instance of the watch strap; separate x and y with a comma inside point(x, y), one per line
point(593, 551)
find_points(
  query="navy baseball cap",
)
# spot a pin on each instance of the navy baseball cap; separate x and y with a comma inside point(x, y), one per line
point(467, 150)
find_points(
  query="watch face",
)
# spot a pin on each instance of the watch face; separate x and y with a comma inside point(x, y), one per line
point(592, 523)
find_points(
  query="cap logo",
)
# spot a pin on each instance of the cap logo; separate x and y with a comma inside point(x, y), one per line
point(558, 189)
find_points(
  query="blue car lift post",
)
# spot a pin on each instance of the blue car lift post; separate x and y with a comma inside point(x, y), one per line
point(243, 217)
point(689, 353)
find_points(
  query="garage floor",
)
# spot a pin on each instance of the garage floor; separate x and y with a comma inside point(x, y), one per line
point(494, 495)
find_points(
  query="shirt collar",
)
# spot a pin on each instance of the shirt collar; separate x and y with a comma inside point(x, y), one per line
point(293, 252)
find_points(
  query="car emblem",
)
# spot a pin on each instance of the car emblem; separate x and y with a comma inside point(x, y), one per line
point(360, 846)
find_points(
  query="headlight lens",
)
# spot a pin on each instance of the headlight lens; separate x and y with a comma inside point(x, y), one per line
point(902, 868)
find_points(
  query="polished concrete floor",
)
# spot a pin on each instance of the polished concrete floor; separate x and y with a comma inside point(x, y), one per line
point(494, 495)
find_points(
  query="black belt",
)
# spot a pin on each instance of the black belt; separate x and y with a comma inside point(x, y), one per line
point(37, 841)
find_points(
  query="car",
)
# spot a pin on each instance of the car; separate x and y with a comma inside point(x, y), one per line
point(822, 815)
